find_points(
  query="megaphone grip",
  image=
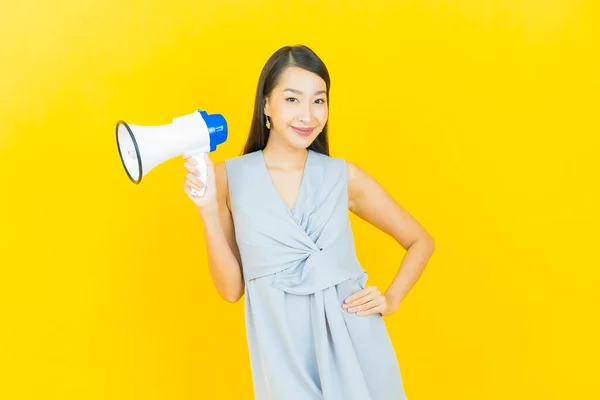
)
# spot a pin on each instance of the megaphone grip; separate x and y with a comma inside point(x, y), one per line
point(203, 174)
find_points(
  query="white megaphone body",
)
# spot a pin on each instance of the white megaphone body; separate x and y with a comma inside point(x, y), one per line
point(142, 148)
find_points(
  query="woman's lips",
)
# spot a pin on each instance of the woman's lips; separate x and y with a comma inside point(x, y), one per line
point(303, 131)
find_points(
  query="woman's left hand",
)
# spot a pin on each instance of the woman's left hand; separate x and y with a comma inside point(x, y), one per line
point(368, 301)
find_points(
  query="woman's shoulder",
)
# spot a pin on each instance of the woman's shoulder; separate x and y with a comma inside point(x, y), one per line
point(356, 176)
point(329, 160)
point(238, 164)
point(236, 168)
point(351, 168)
point(241, 158)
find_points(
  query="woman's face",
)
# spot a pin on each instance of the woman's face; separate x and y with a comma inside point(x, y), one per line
point(297, 107)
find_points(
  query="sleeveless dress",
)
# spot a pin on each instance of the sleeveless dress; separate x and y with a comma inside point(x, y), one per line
point(299, 266)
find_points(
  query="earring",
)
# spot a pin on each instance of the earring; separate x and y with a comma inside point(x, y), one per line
point(268, 123)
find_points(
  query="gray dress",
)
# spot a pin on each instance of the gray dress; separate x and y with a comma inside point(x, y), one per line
point(299, 265)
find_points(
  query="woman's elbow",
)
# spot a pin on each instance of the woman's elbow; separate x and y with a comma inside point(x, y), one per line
point(232, 296)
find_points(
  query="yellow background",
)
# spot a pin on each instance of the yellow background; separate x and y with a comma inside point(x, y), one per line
point(480, 117)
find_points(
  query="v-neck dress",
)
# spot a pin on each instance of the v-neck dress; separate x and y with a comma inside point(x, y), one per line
point(299, 266)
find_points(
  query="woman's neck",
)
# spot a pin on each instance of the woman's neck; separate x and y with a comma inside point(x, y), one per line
point(283, 156)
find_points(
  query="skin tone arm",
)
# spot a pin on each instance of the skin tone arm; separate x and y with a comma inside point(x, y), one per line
point(223, 254)
point(371, 202)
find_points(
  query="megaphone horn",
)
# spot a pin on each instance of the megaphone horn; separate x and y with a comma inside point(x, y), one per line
point(141, 148)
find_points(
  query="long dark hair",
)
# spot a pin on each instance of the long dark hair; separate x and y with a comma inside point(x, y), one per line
point(288, 56)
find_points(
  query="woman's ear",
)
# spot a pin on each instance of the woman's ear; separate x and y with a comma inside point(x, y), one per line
point(267, 108)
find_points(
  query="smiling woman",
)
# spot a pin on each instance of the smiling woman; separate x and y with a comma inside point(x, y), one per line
point(292, 97)
point(278, 230)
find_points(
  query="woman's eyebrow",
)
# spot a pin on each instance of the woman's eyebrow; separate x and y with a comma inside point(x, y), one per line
point(300, 92)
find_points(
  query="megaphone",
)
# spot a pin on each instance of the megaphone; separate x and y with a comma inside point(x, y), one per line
point(142, 148)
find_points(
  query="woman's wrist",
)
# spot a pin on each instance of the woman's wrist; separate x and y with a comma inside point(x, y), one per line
point(393, 301)
point(210, 215)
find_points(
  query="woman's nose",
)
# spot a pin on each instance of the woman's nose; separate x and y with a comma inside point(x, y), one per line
point(305, 113)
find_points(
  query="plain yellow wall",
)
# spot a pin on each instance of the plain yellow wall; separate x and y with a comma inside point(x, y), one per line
point(480, 117)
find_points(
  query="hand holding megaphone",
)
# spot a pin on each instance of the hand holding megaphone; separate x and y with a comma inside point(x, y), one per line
point(141, 148)
point(197, 164)
point(201, 191)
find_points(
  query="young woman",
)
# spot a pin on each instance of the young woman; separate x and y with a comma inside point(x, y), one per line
point(278, 231)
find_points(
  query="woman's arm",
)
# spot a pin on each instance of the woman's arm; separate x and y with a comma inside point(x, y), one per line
point(223, 254)
point(371, 202)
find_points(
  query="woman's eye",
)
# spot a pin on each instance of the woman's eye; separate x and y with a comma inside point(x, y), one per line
point(291, 99)
point(320, 101)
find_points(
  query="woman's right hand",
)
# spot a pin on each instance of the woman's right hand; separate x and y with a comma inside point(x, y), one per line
point(208, 202)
